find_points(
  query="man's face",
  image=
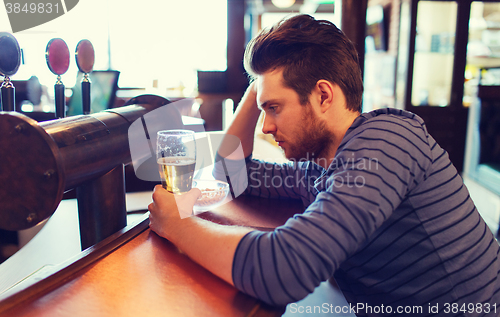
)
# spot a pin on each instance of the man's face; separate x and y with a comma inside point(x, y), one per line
point(297, 128)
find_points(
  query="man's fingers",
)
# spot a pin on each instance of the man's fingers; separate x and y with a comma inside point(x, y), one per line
point(158, 192)
point(185, 202)
point(194, 194)
point(182, 202)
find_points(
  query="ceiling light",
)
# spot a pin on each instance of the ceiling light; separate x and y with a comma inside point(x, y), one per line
point(283, 3)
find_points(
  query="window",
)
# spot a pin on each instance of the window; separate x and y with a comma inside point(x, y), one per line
point(149, 42)
point(434, 53)
point(167, 41)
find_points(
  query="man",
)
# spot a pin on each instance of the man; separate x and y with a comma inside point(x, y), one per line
point(387, 214)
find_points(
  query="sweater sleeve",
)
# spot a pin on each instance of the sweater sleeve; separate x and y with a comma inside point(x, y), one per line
point(371, 175)
point(291, 180)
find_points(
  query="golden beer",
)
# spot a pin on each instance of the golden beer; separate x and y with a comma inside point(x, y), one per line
point(176, 173)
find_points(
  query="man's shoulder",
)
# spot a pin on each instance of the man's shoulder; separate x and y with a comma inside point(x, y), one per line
point(391, 120)
point(388, 129)
point(396, 116)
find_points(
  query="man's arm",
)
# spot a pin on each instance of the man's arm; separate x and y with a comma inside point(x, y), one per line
point(243, 125)
point(209, 244)
point(264, 179)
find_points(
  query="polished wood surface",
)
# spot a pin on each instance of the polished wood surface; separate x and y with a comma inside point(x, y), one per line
point(54, 242)
point(148, 276)
point(264, 214)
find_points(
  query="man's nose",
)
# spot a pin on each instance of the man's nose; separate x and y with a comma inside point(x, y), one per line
point(269, 126)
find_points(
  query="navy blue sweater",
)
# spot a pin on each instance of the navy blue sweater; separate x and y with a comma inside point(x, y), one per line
point(390, 219)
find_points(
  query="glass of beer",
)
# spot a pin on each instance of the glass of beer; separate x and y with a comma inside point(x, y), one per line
point(176, 157)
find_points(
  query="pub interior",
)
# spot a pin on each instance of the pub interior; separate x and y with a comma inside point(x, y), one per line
point(437, 59)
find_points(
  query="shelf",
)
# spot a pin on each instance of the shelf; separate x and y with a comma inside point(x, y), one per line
point(484, 62)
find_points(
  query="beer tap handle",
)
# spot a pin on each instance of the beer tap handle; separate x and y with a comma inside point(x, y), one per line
point(8, 95)
point(10, 59)
point(59, 98)
point(84, 55)
point(86, 94)
point(57, 56)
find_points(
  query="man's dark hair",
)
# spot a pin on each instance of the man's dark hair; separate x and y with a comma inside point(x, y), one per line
point(308, 50)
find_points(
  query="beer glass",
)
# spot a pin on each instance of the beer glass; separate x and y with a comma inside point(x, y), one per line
point(176, 157)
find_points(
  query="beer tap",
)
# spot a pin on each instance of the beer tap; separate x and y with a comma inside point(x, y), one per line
point(10, 59)
point(84, 55)
point(57, 57)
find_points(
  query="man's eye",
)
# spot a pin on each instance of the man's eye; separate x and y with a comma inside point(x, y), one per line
point(272, 109)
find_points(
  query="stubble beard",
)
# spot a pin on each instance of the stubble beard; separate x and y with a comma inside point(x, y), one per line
point(312, 141)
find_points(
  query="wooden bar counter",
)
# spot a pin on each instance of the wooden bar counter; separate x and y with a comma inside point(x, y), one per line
point(137, 273)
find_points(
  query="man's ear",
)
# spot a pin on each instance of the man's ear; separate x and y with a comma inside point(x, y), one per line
point(327, 93)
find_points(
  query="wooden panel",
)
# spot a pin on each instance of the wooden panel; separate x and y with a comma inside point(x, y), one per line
point(255, 212)
point(148, 276)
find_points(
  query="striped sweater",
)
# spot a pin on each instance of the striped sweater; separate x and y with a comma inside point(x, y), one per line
point(390, 220)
